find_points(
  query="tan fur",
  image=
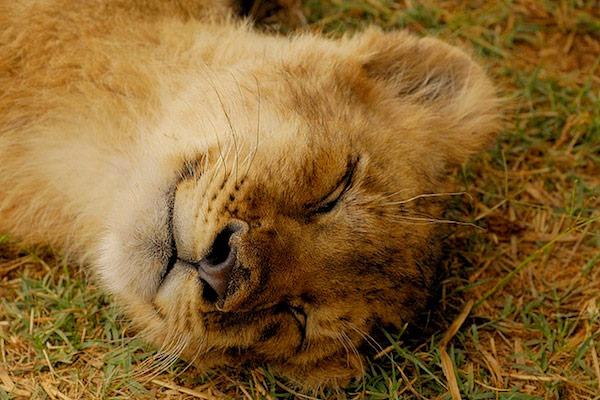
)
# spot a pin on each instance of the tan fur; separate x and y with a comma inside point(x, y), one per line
point(108, 110)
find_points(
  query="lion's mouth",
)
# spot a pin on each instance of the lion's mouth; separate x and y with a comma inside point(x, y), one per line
point(172, 260)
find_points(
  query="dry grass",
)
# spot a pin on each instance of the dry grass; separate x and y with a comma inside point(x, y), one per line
point(523, 292)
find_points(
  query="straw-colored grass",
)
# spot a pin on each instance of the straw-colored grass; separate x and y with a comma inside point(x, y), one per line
point(518, 315)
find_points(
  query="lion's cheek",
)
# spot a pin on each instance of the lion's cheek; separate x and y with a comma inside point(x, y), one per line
point(128, 275)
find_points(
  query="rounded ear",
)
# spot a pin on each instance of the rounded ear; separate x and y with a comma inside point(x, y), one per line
point(462, 111)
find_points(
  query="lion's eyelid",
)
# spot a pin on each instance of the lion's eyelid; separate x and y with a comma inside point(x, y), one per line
point(327, 203)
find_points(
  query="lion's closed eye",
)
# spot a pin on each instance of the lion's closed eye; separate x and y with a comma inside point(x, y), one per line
point(331, 199)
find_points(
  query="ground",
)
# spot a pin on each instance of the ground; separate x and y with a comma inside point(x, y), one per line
point(518, 315)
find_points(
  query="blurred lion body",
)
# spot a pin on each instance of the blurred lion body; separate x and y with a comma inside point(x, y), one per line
point(131, 136)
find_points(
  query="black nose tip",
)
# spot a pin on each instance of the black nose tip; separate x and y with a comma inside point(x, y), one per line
point(216, 267)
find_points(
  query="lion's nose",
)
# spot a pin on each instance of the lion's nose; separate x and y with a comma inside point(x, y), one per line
point(215, 268)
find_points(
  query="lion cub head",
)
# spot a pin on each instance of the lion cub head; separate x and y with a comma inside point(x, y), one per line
point(277, 214)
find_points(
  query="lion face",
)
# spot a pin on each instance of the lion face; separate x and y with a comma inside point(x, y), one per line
point(279, 215)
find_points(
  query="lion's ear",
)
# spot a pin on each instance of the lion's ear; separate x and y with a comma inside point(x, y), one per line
point(461, 106)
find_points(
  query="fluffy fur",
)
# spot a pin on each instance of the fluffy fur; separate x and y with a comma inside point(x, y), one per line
point(130, 132)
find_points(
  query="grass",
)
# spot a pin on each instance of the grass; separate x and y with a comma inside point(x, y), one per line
point(518, 316)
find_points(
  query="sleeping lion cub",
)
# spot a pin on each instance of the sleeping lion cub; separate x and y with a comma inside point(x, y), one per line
point(246, 198)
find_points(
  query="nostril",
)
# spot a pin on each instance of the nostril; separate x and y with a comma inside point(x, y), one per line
point(215, 268)
point(220, 249)
point(209, 294)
